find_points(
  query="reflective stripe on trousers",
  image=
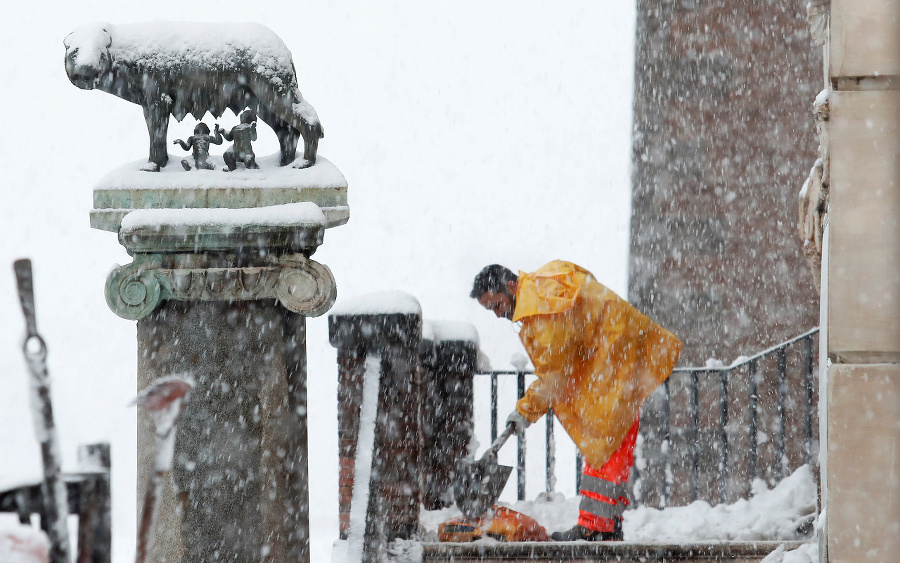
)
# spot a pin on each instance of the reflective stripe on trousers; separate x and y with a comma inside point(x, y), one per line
point(603, 498)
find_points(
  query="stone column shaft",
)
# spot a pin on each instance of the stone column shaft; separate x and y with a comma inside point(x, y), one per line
point(239, 486)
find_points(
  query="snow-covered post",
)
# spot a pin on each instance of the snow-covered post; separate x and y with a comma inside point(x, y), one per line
point(222, 292)
point(449, 356)
point(387, 325)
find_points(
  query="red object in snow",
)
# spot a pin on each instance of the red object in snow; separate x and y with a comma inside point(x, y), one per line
point(161, 395)
point(500, 523)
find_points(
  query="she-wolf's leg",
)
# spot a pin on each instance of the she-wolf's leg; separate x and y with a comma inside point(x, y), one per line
point(311, 136)
point(287, 140)
point(157, 117)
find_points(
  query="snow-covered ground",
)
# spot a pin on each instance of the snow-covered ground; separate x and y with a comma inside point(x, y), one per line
point(770, 514)
point(773, 514)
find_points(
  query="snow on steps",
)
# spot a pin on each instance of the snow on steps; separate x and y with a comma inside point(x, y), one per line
point(620, 552)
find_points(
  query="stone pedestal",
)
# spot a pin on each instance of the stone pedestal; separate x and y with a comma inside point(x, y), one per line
point(394, 489)
point(221, 295)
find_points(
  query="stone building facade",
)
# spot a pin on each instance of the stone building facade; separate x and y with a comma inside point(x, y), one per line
point(723, 140)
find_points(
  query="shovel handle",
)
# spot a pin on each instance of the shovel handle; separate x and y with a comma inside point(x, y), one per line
point(498, 443)
point(25, 283)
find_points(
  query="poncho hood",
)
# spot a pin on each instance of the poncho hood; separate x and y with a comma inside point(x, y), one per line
point(551, 289)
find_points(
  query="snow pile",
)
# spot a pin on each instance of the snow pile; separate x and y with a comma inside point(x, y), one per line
point(379, 303)
point(774, 514)
point(22, 544)
point(446, 331)
point(771, 514)
point(806, 553)
point(270, 175)
point(289, 215)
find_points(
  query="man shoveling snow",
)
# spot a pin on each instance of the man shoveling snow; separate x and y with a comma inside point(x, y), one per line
point(597, 360)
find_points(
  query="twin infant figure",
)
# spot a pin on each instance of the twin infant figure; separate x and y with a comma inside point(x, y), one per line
point(241, 151)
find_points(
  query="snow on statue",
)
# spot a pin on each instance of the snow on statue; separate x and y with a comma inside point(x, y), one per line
point(179, 68)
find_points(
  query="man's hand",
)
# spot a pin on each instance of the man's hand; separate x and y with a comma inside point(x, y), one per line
point(517, 422)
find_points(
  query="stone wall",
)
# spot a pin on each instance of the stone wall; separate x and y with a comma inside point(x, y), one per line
point(723, 140)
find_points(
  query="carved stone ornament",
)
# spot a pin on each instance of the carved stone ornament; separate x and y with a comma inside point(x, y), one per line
point(301, 285)
point(818, 14)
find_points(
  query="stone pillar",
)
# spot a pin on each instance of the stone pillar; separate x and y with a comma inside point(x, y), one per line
point(393, 332)
point(222, 296)
point(861, 286)
point(449, 356)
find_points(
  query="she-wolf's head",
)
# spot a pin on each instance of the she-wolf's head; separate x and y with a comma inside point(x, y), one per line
point(87, 54)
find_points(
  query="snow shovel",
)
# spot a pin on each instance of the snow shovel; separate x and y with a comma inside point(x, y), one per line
point(479, 484)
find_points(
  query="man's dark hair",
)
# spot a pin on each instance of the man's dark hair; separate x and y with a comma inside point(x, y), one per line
point(492, 278)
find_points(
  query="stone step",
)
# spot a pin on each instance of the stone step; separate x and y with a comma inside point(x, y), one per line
point(620, 552)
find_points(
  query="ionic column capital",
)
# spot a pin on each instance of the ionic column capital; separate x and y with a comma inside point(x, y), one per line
point(301, 285)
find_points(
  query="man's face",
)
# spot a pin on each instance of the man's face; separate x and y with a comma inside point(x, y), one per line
point(500, 303)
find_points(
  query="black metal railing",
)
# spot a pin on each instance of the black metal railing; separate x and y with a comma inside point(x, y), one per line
point(701, 432)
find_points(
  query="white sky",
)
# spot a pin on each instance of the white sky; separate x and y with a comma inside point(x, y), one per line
point(470, 132)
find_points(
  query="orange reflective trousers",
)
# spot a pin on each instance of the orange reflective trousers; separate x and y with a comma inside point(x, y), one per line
point(604, 491)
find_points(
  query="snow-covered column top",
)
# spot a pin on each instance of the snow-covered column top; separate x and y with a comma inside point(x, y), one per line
point(376, 319)
point(222, 255)
point(452, 345)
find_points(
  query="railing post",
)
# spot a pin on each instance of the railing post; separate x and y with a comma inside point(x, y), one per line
point(579, 469)
point(695, 434)
point(520, 465)
point(551, 454)
point(723, 479)
point(493, 407)
point(808, 387)
point(666, 445)
point(782, 416)
point(752, 438)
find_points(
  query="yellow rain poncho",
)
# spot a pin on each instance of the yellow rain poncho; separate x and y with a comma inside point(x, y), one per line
point(596, 357)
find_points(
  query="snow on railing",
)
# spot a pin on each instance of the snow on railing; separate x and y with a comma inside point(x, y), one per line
point(657, 424)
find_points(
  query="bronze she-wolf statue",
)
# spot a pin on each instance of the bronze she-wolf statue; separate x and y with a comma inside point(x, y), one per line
point(179, 68)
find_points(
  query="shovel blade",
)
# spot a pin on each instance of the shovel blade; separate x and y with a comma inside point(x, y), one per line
point(478, 486)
